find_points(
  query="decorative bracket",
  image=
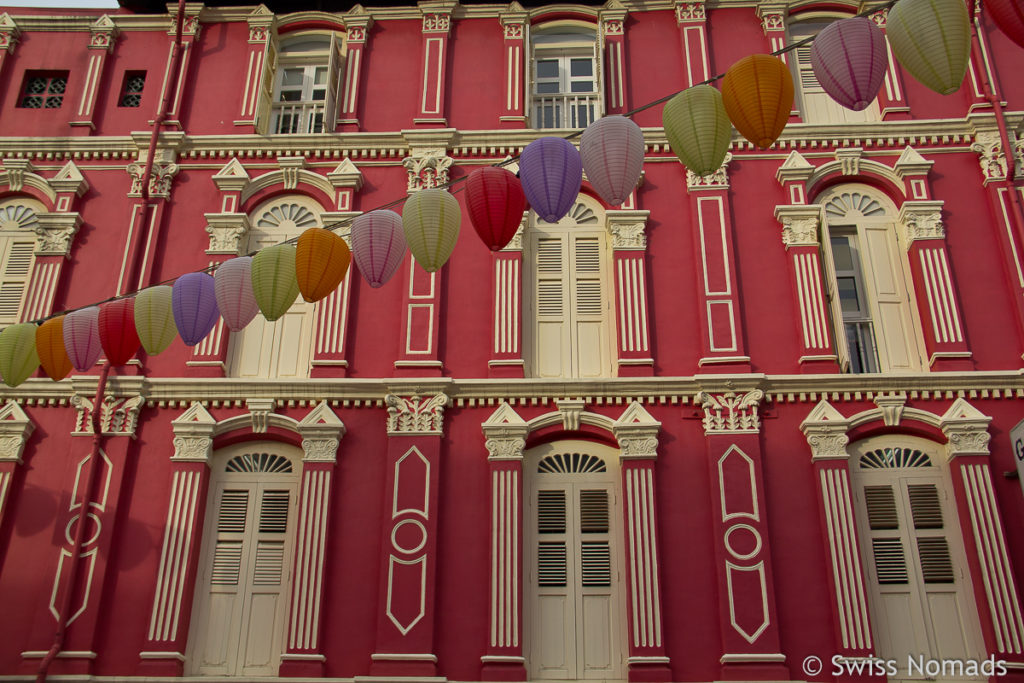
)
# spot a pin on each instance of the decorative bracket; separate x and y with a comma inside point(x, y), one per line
point(260, 410)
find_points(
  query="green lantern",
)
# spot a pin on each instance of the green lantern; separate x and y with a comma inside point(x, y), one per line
point(18, 355)
point(698, 128)
point(932, 40)
point(154, 319)
point(273, 280)
point(430, 220)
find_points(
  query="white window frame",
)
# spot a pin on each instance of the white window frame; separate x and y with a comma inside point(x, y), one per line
point(563, 43)
point(18, 220)
point(313, 112)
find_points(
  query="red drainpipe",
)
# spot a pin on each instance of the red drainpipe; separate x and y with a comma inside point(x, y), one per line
point(97, 439)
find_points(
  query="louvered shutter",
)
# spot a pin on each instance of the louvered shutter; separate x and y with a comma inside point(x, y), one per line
point(590, 341)
point(551, 554)
point(835, 309)
point(333, 84)
point(266, 86)
point(815, 105)
point(552, 353)
point(595, 555)
point(15, 266)
point(232, 514)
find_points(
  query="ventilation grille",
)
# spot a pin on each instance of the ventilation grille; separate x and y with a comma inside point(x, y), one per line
point(925, 506)
point(881, 504)
point(269, 563)
point(274, 512)
point(233, 509)
point(551, 564)
point(891, 458)
point(936, 565)
point(551, 512)
point(597, 564)
point(571, 463)
point(227, 561)
point(259, 462)
point(890, 562)
point(549, 297)
point(594, 512)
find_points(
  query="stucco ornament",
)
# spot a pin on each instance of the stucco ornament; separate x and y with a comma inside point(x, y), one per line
point(118, 416)
point(505, 449)
point(427, 168)
point(989, 146)
point(416, 416)
point(192, 449)
point(717, 180)
point(319, 450)
point(690, 11)
point(730, 412)
point(55, 232)
point(160, 179)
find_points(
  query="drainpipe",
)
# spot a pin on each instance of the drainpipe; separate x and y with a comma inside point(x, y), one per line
point(101, 385)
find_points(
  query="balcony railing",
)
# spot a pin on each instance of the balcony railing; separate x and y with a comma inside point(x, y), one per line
point(577, 110)
point(860, 338)
point(298, 117)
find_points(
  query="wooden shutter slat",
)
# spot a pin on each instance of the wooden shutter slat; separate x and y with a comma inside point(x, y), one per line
point(274, 512)
point(593, 512)
point(890, 562)
point(233, 510)
point(549, 297)
point(881, 505)
point(936, 563)
point(551, 567)
point(596, 563)
point(227, 562)
point(551, 512)
point(588, 297)
point(269, 563)
point(925, 506)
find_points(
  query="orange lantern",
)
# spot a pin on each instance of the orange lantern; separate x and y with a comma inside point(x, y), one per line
point(50, 347)
point(321, 261)
point(757, 92)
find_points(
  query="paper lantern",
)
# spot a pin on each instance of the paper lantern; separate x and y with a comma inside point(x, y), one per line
point(757, 92)
point(612, 151)
point(273, 280)
point(18, 356)
point(430, 221)
point(1009, 17)
point(698, 128)
point(118, 337)
point(154, 318)
point(82, 337)
point(495, 201)
point(50, 347)
point(932, 40)
point(232, 286)
point(849, 61)
point(378, 245)
point(551, 172)
point(194, 303)
point(321, 261)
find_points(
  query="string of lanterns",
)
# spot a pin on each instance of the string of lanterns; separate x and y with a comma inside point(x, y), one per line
point(930, 38)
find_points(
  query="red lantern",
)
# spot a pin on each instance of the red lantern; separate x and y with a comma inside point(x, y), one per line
point(118, 336)
point(1009, 17)
point(496, 203)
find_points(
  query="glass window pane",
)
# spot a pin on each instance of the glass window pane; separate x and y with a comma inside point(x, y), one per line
point(321, 75)
point(547, 88)
point(547, 68)
point(292, 77)
point(320, 94)
point(842, 254)
point(290, 96)
point(848, 294)
point(582, 86)
point(581, 67)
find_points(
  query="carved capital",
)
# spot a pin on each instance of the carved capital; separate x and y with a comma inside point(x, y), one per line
point(513, 30)
point(15, 429)
point(921, 220)
point(416, 416)
point(505, 433)
point(9, 33)
point(436, 22)
point(118, 415)
point(772, 15)
point(160, 179)
point(690, 12)
point(637, 433)
point(828, 443)
point(54, 233)
point(800, 224)
point(966, 428)
point(226, 231)
point(190, 25)
point(880, 17)
point(319, 450)
point(427, 168)
point(730, 413)
point(989, 146)
point(192, 449)
point(628, 229)
point(719, 180)
point(510, 448)
point(612, 26)
point(516, 243)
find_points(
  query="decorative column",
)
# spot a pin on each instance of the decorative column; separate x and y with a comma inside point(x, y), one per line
point(164, 651)
point(189, 35)
point(505, 433)
point(357, 26)
point(15, 429)
point(437, 21)
point(258, 90)
point(629, 245)
point(747, 617)
point(892, 100)
point(9, 34)
point(982, 527)
point(406, 616)
point(513, 26)
point(118, 420)
point(613, 40)
point(691, 19)
point(825, 429)
point(507, 316)
point(722, 344)
point(637, 433)
point(321, 432)
point(101, 45)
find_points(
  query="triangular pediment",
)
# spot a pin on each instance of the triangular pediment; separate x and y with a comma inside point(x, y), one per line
point(346, 166)
point(12, 412)
point(504, 416)
point(104, 23)
point(261, 10)
point(6, 23)
point(196, 414)
point(823, 414)
point(795, 160)
point(321, 415)
point(635, 415)
point(233, 169)
point(69, 172)
point(911, 156)
point(962, 411)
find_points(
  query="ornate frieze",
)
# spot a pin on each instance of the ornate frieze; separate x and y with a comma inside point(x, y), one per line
point(427, 168)
point(690, 11)
point(989, 146)
point(160, 179)
point(118, 416)
point(730, 413)
point(416, 416)
point(54, 233)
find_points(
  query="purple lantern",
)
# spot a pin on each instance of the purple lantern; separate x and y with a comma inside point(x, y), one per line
point(551, 172)
point(82, 337)
point(612, 150)
point(378, 245)
point(194, 302)
point(849, 61)
point(232, 286)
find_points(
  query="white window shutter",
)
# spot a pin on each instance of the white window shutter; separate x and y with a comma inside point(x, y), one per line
point(15, 269)
point(896, 328)
point(553, 350)
point(333, 84)
point(266, 86)
point(835, 308)
point(589, 306)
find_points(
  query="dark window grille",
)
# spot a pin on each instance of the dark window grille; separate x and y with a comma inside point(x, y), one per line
point(43, 90)
point(131, 89)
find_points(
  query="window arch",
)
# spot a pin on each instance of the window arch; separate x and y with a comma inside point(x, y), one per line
point(868, 283)
point(19, 218)
point(282, 348)
point(565, 74)
point(306, 83)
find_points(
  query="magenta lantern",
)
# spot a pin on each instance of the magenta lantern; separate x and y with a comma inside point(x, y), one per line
point(194, 301)
point(551, 172)
point(378, 245)
point(82, 337)
point(232, 286)
point(612, 150)
point(1009, 17)
point(849, 61)
point(118, 336)
point(495, 200)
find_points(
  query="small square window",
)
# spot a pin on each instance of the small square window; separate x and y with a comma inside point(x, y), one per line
point(131, 89)
point(43, 89)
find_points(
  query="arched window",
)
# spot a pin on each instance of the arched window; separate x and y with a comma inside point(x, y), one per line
point(568, 294)
point(814, 104)
point(869, 289)
point(565, 73)
point(18, 222)
point(306, 85)
point(912, 549)
point(281, 348)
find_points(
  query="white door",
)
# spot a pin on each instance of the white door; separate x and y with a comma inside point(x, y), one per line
point(575, 629)
point(921, 598)
point(242, 593)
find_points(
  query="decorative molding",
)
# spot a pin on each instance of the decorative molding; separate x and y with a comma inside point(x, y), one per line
point(416, 416)
point(880, 17)
point(15, 429)
point(730, 413)
point(192, 449)
point(259, 412)
point(9, 33)
point(719, 180)
point(849, 160)
point(160, 179)
point(262, 23)
point(437, 15)
point(54, 233)
point(227, 232)
point(989, 146)
point(505, 432)
point(321, 432)
point(636, 430)
point(320, 450)
point(911, 163)
point(891, 406)
point(70, 180)
point(346, 174)
point(690, 11)
point(232, 177)
point(628, 229)
point(801, 224)
point(825, 429)
point(795, 168)
point(104, 34)
point(118, 416)
point(427, 168)
point(16, 170)
point(966, 428)
point(570, 411)
point(772, 15)
point(921, 220)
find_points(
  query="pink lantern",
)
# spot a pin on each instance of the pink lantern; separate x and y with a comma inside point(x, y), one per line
point(82, 337)
point(849, 61)
point(378, 245)
point(612, 150)
point(232, 286)
point(1009, 17)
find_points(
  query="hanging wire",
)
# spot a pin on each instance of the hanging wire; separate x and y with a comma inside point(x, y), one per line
point(454, 186)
